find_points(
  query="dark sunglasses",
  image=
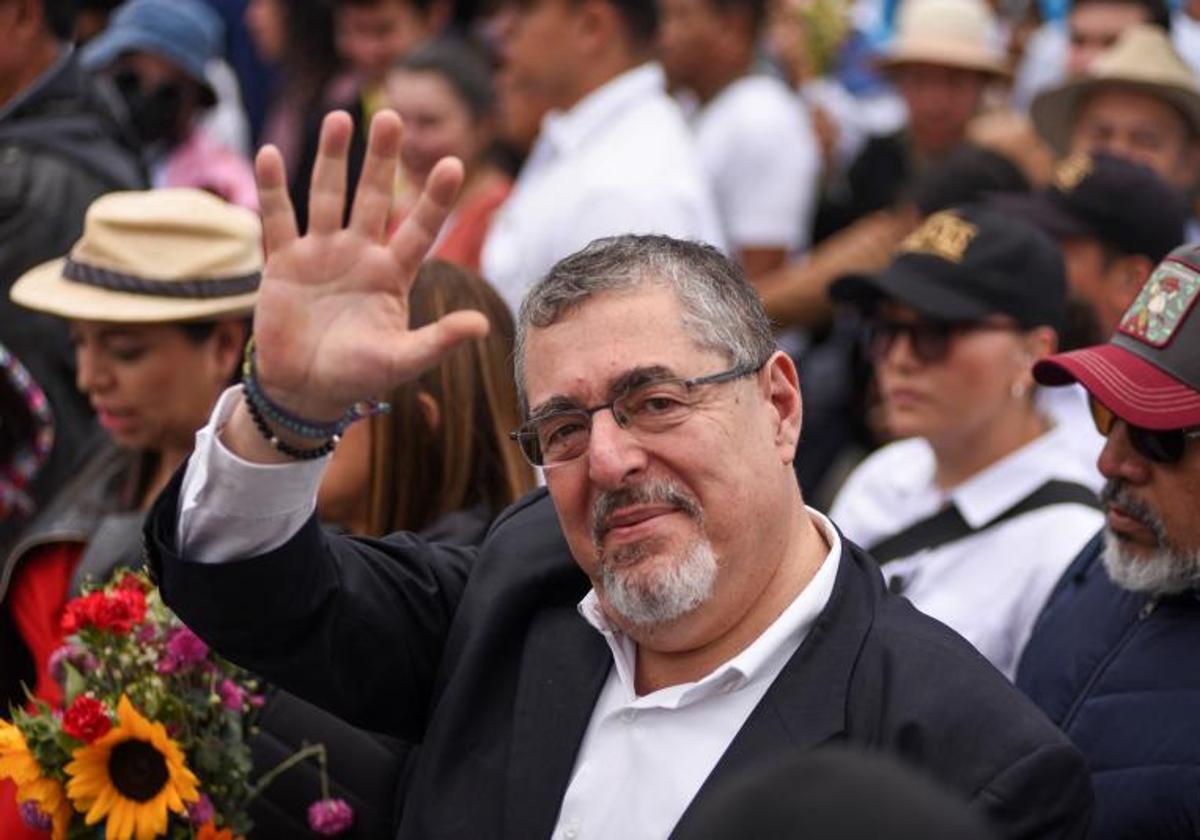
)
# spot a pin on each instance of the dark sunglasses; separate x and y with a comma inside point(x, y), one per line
point(929, 340)
point(1166, 447)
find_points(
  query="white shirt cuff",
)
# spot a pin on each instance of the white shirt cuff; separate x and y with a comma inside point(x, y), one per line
point(230, 508)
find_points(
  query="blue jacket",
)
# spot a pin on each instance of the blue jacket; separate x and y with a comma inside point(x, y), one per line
point(1119, 672)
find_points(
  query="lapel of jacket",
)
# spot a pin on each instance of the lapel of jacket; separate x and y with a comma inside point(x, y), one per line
point(806, 705)
point(563, 668)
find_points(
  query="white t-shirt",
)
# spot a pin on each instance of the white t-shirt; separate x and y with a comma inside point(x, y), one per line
point(621, 161)
point(989, 586)
point(758, 147)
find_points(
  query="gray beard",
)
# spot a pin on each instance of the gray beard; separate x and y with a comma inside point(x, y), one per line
point(1167, 571)
point(664, 593)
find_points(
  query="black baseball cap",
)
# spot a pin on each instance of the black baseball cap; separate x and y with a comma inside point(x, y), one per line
point(965, 264)
point(1121, 203)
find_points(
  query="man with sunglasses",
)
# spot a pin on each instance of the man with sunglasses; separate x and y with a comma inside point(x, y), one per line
point(1114, 657)
point(664, 616)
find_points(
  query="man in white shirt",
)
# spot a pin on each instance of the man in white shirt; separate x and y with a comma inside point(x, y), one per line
point(676, 616)
point(614, 154)
point(753, 132)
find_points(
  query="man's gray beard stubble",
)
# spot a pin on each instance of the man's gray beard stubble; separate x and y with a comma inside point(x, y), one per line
point(1168, 571)
point(670, 590)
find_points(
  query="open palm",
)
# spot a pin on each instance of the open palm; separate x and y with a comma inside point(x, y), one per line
point(331, 323)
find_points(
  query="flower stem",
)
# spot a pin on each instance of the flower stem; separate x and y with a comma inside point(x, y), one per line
point(311, 751)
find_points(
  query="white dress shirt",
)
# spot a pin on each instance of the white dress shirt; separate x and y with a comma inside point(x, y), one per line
point(762, 158)
point(620, 161)
point(643, 759)
point(989, 586)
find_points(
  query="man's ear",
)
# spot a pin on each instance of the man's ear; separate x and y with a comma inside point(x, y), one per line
point(782, 386)
point(595, 21)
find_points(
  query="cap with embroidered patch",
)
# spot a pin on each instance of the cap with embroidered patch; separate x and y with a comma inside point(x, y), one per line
point(968, 263)
point(1122, 204)
point(1148, 374)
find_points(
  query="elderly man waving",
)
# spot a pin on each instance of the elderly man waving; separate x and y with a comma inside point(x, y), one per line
point(666, 614)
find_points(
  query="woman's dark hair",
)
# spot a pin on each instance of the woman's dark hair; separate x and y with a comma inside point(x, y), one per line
point(309, 59)
point(463, 68)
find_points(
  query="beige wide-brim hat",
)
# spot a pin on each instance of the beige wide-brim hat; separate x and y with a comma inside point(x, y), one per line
point(1142, 60)
point(951, 33)
point(153, 256)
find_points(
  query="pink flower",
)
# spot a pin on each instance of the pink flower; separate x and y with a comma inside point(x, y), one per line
point(184, 650)
point(201, 811)
point(69, 654)
point(330, 817)
point(233, 697)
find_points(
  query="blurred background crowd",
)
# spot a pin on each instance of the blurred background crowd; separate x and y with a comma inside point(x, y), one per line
point(809, 139)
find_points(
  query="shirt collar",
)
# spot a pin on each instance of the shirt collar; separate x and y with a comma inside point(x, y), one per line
point(763, 658)
point(566, 131)
point(989, 493)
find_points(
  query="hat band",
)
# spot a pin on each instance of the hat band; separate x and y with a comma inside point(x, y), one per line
point(202, 287)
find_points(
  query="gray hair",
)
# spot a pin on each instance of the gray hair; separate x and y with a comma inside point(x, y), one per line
point(721, 310)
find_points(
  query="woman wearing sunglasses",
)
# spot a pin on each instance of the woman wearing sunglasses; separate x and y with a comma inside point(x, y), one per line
point(977, 509)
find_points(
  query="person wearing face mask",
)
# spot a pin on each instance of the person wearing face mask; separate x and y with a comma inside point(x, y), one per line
point(976, 512)
point(156, 52)
point(151, 363)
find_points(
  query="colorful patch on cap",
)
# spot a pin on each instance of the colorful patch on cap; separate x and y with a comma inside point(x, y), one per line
point(1072, 171)
point(1162, 305)
point(944, 235)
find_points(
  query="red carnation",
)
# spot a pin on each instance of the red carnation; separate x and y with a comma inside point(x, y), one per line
point(118, 611)
point(86, 719)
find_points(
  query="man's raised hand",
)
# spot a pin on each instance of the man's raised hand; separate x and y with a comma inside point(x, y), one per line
point(331, 324)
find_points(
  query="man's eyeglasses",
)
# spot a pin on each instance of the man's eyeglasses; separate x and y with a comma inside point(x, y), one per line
point(1166, 447)
point(562, 436)
point(929, 340)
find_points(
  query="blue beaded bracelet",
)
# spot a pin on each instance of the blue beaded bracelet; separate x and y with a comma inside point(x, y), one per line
point(299, 426)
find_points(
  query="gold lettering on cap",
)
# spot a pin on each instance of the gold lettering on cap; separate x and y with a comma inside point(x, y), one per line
point(944, 235)
point(1071, 171)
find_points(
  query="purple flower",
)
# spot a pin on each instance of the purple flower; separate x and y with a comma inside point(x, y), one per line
point(34, 816)
point(184, 650)
point(77, 657)
point(330, 817)
point(201, 811)
point(233, 697)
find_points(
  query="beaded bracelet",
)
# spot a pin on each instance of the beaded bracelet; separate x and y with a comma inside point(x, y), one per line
point(282, 447)
point(299, 426)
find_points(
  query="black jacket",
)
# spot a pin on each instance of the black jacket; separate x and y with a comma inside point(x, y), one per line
point(483, 658)
point(61, 147)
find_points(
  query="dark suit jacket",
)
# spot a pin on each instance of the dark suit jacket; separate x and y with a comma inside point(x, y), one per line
point(483, 658)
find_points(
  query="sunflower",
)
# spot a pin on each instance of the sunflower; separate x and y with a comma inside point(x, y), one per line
point(131, 776)
point(18, 763)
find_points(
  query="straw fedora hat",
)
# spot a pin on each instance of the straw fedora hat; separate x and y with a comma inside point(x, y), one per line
point(1143, 59)
point(954, 33)
point(153, 256)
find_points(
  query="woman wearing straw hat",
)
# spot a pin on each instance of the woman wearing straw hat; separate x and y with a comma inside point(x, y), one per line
point(945, 55)
point(157, 294)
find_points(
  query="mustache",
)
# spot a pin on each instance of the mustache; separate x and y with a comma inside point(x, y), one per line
point(1117, 493)
point(655, 492)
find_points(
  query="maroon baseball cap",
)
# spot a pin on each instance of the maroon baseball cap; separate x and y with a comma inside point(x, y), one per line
point(1149, 372)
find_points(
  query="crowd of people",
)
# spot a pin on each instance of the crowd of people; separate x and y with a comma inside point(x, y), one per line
point(616, 418)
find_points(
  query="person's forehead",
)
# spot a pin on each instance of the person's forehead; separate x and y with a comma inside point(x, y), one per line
point(606, 337)
point(1129, 108)
point(1105, 20)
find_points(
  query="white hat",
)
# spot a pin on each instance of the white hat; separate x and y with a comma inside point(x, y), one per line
point(153, 256)
point(954, 33)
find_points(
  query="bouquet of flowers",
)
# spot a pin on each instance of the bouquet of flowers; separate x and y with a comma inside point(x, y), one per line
point(152, 739)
